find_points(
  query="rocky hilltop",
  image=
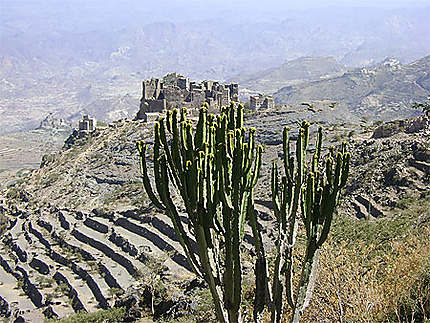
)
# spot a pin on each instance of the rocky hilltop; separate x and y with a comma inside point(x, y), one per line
point(79, 232)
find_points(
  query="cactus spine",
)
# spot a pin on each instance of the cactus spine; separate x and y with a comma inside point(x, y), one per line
point(317, 195)
point(214, 171)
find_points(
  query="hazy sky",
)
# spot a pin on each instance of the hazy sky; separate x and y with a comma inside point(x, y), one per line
point(180, 9)
point(87, 15)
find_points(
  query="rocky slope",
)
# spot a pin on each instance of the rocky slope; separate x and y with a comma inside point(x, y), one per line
point(292, 72)
point(384, 91)
point(80, 231)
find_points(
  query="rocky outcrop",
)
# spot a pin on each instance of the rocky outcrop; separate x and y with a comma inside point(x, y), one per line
point(391, 128)
point(103, 214)
point(102, 178)
point(422, 166)
point(49, 313)
point(79, 215)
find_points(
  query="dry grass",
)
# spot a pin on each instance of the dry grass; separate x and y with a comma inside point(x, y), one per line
point(375, 272)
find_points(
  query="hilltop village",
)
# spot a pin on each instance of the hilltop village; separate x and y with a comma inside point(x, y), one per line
point(175, 91)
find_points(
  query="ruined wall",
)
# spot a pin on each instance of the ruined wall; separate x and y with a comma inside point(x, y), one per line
point(151, 89)
point(234, 91)
point(176, 91)
point(254, 102)
point(268, 103)
point(261, 102)
point(156, 105)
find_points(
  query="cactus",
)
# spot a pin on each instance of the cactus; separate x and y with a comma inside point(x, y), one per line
point(306, 187)
point(214, 171)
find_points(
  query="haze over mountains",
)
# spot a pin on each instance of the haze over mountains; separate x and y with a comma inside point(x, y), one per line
point(52, 53)
point(291, 72)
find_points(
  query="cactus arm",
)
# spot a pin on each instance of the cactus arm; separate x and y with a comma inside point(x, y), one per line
point(177, 223)
point(263, 294)
point(275, 192)
point(345, 169)
point(145, 178)
point(169, 121)
point(183, 114)
point(156, 148)
point(200, 135)
point(239, 116)
point(319, 142)
point(175, 171)
point(231, 117)
point(338, 169)
point(329, 171)
point(305, 127)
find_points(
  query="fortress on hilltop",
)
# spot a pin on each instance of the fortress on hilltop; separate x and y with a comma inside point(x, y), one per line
point(176, 91)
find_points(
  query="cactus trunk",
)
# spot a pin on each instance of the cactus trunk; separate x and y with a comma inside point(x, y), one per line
point(317, 196)
point(213, 170)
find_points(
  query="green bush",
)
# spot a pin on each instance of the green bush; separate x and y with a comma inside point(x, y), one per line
point(113, 315)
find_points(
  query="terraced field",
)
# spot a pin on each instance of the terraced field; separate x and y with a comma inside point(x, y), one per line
point(76, 261)
point(54, 266)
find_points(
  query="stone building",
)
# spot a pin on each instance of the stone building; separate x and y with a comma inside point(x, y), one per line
point(261, 102)
point(87, 124)
point(176, 91)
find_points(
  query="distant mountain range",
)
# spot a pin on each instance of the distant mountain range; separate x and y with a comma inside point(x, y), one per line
point(67, 62)
point(383, 91)
point(292, 72)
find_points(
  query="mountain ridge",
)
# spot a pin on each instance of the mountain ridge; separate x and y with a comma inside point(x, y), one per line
point(384, 91)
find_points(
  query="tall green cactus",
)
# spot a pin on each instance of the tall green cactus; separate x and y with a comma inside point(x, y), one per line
point(317, 195)
point(214, 171)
